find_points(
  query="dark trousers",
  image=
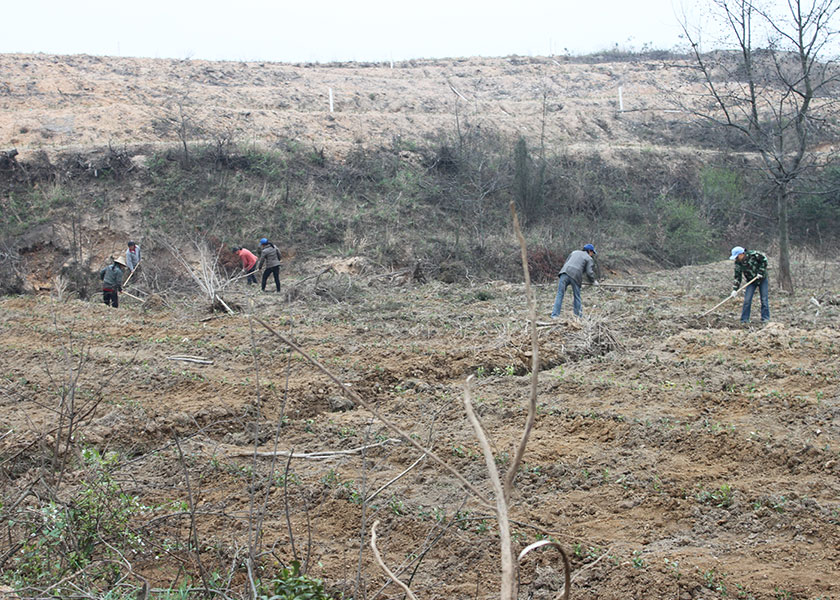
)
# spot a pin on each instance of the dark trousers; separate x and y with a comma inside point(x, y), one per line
point(276, 272)
point(251, 277)
point(111, 298)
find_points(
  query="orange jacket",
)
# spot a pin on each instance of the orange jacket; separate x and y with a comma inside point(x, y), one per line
point(248, 258)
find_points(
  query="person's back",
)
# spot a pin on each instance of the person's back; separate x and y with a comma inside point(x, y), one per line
point(112, 277)
point(578, 263)
point(270, 256)
point(247, 257)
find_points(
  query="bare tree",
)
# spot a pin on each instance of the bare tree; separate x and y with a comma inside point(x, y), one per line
point(180, 118)
point(775, 90)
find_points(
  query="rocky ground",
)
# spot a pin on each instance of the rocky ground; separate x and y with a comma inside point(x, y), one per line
point(673, 456)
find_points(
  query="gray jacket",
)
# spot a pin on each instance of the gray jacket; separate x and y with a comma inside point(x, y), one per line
point(578, 263)
point(112, 277)
point(269, 255)
point(132, 259)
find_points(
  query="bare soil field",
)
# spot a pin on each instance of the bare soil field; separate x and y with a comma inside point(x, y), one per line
point(673, 456)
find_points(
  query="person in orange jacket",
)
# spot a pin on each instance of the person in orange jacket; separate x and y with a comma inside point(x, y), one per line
point(249, 263)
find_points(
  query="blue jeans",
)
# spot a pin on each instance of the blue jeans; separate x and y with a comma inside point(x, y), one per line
point(749, 291)
point(565, 280)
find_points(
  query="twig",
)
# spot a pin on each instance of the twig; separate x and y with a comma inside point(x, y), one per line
point(382, 564)
point(193, 527)
point(253, 531)
point(395, 479)
point(195, 359)
point(567, 567)
point(276, 442)
point(501, 503)
point(417, 558)
point(315, 455)
point(361, 592)
point(286, 505)
point(592, 564)
point(535, 360)
point(223, 303)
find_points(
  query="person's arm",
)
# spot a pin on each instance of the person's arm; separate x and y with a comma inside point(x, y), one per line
point(737, 281)
point(590, 270)
point(761, 271)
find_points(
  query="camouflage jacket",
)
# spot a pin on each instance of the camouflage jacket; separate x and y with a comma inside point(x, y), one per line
point(754, 263)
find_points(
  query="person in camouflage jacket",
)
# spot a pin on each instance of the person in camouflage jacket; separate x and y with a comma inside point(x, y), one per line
point(748, 265)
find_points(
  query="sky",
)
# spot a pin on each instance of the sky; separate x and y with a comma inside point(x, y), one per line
point(332, 30)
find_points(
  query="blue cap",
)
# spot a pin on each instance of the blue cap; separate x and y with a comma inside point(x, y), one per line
point(263, 240)
point(590, 247)
point(736, 251)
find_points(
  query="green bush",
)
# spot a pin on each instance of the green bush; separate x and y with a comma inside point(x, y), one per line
point(682, 234)
point(291, 584)
point(86, 535)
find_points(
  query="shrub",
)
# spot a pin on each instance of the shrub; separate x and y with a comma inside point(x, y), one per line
point(681, 234)
point(85, 536)
point(291, 584)
point(544, 264)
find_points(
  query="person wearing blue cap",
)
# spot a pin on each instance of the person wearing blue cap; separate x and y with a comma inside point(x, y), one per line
point(578, 264)
point(270, 257)
point(751, 264)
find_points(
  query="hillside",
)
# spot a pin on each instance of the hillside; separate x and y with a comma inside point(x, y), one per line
point(172, 448)
point(61, 102)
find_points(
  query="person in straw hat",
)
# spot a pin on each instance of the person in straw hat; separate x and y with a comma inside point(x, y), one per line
point(112, 278)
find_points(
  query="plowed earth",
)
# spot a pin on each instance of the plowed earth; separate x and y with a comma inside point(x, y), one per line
point(672, 456)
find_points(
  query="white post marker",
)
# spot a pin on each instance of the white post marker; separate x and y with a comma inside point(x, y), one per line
point(620, 100)
point(331, 100)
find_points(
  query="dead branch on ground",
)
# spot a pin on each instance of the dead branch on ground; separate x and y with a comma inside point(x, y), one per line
point(319, 455)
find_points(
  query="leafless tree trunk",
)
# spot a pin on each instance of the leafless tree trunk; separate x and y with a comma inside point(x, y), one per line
point(776, 91)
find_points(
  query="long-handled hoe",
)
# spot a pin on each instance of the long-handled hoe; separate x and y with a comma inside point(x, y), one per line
point(741, 289)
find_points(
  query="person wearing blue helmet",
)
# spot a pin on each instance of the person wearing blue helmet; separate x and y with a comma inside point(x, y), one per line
point(270, 257)
point(578, 264)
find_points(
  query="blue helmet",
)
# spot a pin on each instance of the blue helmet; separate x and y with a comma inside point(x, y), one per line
point(590, 247)
point(263, 240)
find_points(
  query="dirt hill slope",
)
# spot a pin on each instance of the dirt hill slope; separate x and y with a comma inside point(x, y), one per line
point(53, 102)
